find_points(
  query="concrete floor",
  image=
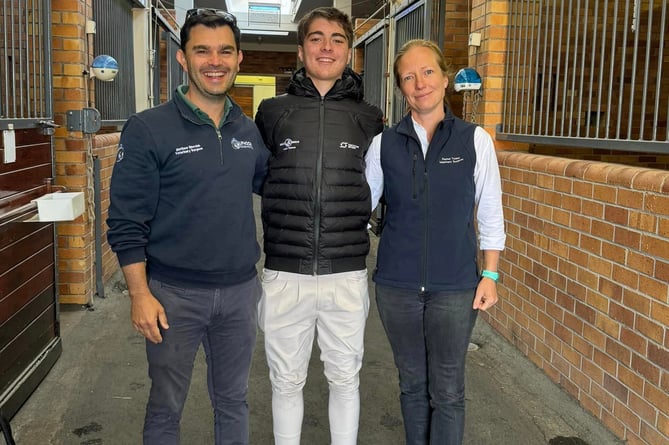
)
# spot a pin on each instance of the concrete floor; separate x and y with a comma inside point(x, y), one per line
point(97, 390)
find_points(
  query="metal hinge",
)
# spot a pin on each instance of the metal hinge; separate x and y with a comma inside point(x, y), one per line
point(86, 120)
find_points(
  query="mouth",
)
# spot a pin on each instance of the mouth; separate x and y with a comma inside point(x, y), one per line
point(326, 59)
point(421, 96)
point(215, 75)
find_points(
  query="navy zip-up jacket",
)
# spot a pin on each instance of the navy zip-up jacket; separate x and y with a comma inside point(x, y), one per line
point(428, 241)
point(181, 195)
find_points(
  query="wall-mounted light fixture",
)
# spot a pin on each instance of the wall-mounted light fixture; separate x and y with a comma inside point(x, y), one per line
point(104, 68)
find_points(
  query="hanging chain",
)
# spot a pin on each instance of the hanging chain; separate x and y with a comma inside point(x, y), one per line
point(471, 101)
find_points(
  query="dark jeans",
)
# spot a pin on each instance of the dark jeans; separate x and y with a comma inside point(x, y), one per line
point(429, 334)
point(222, 320)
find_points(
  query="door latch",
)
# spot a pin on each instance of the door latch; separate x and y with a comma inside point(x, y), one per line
point(47, 127)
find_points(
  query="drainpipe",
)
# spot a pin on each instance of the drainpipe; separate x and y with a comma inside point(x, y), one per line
point(99, 285)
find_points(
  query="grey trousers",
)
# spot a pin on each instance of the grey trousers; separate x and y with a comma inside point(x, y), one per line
point(224, 321)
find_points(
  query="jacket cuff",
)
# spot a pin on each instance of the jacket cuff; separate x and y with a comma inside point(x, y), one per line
point(131, 256)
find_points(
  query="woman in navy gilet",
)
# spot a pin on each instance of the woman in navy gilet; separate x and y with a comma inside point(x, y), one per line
point(440, 181)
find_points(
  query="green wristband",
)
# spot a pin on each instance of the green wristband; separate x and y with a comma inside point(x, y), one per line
point(490, 274)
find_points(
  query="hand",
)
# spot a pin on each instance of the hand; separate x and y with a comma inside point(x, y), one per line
point(486, 294)
point(146, 313)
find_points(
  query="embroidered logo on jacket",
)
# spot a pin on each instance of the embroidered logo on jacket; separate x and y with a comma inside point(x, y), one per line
point(289, 144)
point(348, 145)
point(188, 149)
point(239, 145)
point(451, 160)
point(120, 153)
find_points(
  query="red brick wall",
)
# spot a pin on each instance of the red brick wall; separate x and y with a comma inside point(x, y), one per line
point(268, 63)
point(584, 292)
point(456, 50)
point(637, 159)
point(489, 17)
point(271, 63)
point(73, 150)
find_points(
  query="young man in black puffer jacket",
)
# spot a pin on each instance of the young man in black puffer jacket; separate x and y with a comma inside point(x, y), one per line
point(315, 209)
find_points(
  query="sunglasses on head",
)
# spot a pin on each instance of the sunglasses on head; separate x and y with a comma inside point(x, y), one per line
point(209, 11)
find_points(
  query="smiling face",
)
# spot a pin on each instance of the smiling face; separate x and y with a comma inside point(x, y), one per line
point(211, 60)
point(422, 81)
point(325, 53)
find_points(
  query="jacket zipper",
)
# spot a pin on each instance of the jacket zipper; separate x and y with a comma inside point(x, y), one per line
point(413, 175)
point(425, 230)
point(414, 186)
point(218, 135)
point(220, 143)
point(319, 174)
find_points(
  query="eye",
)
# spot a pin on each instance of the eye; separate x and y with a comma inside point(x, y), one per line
point(429, 71)
point(339, 41)
point(407, 78)
point(315, 39)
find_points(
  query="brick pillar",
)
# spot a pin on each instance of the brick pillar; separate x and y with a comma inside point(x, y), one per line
point(70, 60)
point(456, 34)
point(490, 18)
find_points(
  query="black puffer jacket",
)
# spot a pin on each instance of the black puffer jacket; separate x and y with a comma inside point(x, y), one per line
point(316, 202)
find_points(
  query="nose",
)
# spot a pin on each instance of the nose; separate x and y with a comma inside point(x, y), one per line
point(215, 58)
point(327, 45)
point(420, 81)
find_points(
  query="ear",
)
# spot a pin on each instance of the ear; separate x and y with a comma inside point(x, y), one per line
point(240, 57)
point(348, 58)
point(181, 58)
point(300, 53)
point(445, 82)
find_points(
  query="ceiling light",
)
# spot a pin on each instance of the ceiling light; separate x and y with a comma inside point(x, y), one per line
point(262, 32)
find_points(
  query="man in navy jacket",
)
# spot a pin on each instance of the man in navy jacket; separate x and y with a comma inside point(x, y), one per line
point(181, 223)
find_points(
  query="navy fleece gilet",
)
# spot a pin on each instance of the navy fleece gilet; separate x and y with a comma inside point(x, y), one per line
point(428, 241)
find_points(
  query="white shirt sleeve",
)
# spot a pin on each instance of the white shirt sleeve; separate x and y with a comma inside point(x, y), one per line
point(490, 214)
point(373, 170)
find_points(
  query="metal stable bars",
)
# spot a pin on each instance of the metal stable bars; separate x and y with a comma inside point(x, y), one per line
point(24, 71)
point(588, 73)
point(114, 36)
point(409, 24)
point(374, 69)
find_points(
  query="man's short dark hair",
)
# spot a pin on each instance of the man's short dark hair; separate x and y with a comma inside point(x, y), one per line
point(328, 13)
point(211, 18)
